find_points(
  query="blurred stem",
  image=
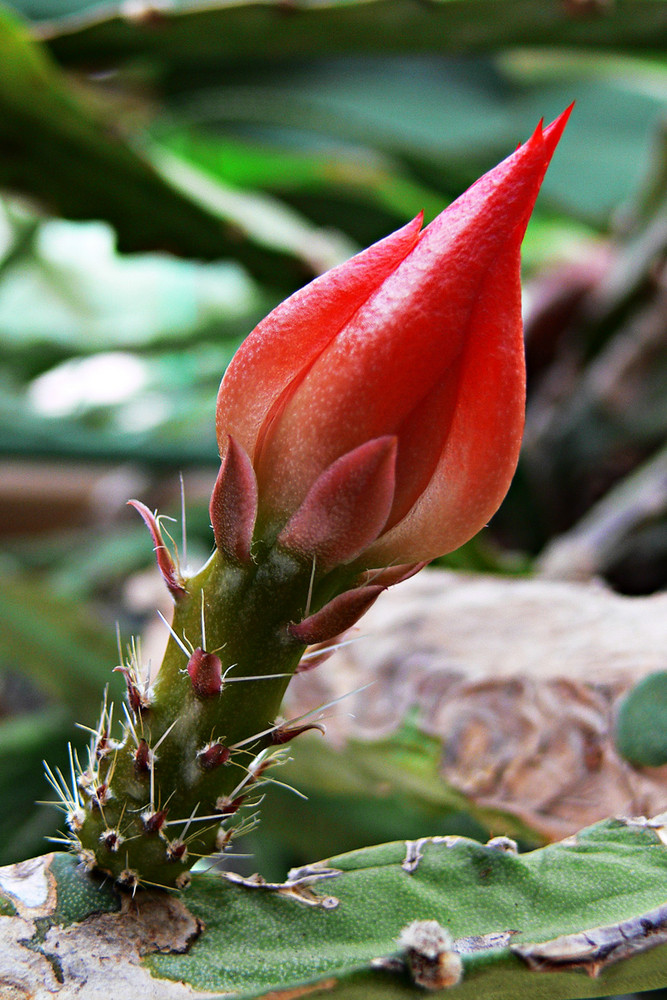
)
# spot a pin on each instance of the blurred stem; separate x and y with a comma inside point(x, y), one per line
point(192, 34)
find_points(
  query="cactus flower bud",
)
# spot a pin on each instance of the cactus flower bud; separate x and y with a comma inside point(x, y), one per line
point(416, 345)
point(369, 424)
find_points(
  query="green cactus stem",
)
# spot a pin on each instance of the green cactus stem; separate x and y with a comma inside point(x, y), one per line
point(197, 742)
point(186, 776)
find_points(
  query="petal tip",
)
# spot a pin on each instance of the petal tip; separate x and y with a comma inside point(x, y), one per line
point(553, 132)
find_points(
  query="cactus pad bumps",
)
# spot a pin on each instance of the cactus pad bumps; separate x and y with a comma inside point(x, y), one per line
point(369, 424)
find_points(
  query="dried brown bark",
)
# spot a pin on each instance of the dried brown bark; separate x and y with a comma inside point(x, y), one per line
point(519, 679)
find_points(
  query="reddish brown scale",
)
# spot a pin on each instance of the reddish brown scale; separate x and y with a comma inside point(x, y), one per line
point(128, 879)
point(142, 758)
point(111, 840)
point(102, 746)
point(234, 503)
point(284, 734)
point(314, 661)
point(259, 770)
point(100, 795)
point(346, 507)
point(228, 807)
point(177, 850)
point(390, 576)
point(135, 697)
point(213, 756)
point(340, 614)
point(205, 671)
point(154, 822)
point(224, 838)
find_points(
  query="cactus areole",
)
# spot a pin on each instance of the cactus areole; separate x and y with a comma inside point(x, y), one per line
point(369, 424)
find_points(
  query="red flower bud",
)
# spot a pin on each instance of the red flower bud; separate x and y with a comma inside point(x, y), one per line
point(418, 340)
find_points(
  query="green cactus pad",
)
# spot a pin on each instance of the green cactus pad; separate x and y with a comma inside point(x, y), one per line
point(641, 728)
point(586, 917)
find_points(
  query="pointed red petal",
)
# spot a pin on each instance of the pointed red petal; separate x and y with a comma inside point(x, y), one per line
point(284, 345)
point(405, 344)
point(553, 132)
point(233, 507)
point(335, 617)
point(165, 563)
point(479, 455)
point(347, 506)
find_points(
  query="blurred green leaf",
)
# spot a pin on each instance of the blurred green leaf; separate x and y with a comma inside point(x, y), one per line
point(70, 291)
point(67, 657)
point(26, 434)
point(406, 764)
point(295, 830)
point(60, 647)
point(187, 33)
point(57, 145)
point(358, 191)
point(441, 120)
point(24, 742)
point(641, 726)
point(447, 120)
point(65, 294)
